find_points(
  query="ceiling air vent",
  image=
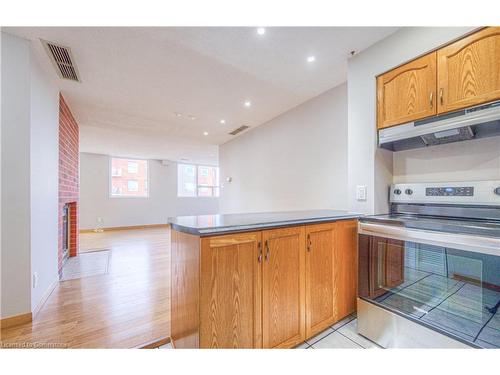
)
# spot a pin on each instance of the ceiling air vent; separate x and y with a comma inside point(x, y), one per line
point(63, 61)
point(239, 130)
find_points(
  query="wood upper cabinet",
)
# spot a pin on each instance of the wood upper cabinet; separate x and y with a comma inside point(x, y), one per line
point(468, 71)
point(407, 93)
point(320, 264)
point(283, 287)
point(346, 268)
point(230, 298)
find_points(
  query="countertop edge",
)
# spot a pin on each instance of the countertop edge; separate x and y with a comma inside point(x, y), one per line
point(250, 227)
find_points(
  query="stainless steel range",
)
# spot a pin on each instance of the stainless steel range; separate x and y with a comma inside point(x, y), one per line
point(429, 272)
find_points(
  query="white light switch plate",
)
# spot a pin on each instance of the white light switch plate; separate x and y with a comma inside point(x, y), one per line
point(361, 193)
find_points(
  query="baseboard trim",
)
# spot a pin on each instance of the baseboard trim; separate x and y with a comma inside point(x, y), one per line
point(16, 320)
point(146, 226)
point(44, 298)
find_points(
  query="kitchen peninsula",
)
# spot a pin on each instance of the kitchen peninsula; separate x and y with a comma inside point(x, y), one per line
point(262, 280)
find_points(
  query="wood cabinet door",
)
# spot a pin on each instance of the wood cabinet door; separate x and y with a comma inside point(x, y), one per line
point(346, 268)
point(283, 287)
point(407, 93)
point(230, 297)
point(320, 303)
point(469, 71)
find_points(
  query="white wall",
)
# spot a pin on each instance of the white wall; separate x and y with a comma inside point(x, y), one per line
point(44, 181)
point(16, 223)
point(367, 164)
point(296, 161)
point(462, 161)
point(29, 178)
point(161, 204)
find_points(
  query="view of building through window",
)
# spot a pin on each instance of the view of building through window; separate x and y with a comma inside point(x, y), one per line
point(129, 178)
point(198, 181)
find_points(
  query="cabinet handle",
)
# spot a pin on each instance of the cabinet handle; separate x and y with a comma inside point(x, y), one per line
point(441, 96)
point(431, 99)
point(259, 258)
point(309, 244)
point(267, 251)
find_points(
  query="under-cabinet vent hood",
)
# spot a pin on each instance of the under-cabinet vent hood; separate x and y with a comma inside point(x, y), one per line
point(472, 123)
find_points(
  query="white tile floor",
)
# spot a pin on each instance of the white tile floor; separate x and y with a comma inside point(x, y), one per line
point(342, 335)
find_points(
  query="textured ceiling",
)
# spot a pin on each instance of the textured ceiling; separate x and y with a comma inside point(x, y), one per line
point(134, 80)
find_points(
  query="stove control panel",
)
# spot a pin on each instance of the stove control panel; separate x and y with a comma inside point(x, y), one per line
point(462, 191)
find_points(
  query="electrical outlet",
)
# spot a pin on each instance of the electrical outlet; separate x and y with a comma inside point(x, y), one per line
point(361, 192)
point(35, 279)
point(99, 220)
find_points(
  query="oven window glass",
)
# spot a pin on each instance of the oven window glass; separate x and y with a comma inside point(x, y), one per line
point(455, 291)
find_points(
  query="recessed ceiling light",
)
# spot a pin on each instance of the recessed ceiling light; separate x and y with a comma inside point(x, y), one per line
point(248, 103)
point(191, 117)
point(205, 133)
point(222, 121)
point(311, 59)
point(177, 114)
point(261, 30)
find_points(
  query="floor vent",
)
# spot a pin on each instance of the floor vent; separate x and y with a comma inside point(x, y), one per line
point(63, 61)
point(239, 130)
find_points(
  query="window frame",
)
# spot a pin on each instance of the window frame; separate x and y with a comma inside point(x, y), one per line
point(196, 166)
point(110, 179)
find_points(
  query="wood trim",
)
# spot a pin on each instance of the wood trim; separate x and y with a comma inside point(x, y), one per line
point(16, 320)
point(44, 298)
point(146, 226)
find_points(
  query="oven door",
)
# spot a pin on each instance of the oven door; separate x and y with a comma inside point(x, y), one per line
point(447, 282)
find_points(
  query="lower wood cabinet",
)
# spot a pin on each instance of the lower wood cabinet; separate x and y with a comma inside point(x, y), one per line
point(283, 287)
point(265, 289)
point(346, 268)
point(230, 291)
point(320, 277)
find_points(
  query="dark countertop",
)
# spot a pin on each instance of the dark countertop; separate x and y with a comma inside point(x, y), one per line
point(205, 225)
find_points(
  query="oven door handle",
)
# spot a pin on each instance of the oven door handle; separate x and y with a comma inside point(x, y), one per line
point(477, 244)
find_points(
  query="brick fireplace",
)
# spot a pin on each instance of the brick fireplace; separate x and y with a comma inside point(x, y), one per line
point(68, 183)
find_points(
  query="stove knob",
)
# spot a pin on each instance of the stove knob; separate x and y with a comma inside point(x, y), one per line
point(497, 191)
point(397, 191)
point(409, 191)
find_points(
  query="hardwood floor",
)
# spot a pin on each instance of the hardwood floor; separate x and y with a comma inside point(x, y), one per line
point(125, 308)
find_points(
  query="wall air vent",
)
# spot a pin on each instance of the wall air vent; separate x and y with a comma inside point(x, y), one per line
point(239, 130)
point(63, 61)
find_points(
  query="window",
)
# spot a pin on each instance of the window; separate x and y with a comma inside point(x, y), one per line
point(132, 185)
point(132, 167)
point(129, 178)
point(197, 181)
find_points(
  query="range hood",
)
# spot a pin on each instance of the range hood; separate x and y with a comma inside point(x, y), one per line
point(472, 123)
